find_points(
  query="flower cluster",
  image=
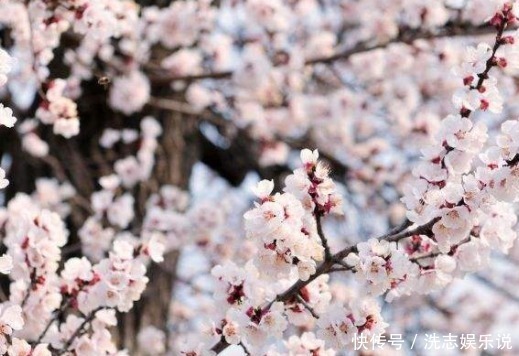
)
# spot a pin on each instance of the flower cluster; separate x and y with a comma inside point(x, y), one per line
point(115, 282)
point(306, 344)
point(35, 236)
point(6, 116)
point(284, 225)
point(501, 175)
point(238, 87)
point(11, 320)
point(58, 110)
point(383, 267)
point(341, 324)
point(112, 204)
point(129, 93)
point(254, 325)
point(71, 335)
point(237, 284)
point(287, 239)
point(313, 299)
point(312, 185)
point(462, 189)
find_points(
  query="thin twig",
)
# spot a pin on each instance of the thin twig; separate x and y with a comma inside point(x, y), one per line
point(307, 307)
point(31, 286)
point(324, 241)
point(392, 237)
point(340, 269)
point(64, 305)
point(245, 349)
point(79, 330)
point(420, 258)
point(420, 230)
point(397, 229)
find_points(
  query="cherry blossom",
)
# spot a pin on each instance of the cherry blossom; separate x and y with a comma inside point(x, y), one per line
point(6, 116)
point(59, 111)
point(152, 340)
point(131, 89)
point(306, 344)
point(258, 177)
point(3, 182)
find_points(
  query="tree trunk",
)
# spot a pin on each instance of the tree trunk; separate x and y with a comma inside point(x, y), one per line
point(179, 146)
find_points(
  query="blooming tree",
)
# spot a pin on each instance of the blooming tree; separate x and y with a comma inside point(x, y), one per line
point(256, 177)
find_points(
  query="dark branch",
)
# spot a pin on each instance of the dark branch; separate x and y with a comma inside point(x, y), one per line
point(307, 307)
point(405, 35)
point(324, 241)
point(328, 266)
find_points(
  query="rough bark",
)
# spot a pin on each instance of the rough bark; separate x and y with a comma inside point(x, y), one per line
point(179, 152)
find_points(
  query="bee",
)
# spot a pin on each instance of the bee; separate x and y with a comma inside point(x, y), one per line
point(104, 81)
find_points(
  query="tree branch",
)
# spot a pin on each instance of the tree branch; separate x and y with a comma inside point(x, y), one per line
point(420, 230)
point(324, 241)
point(307, 307)
point(327, 266)
point(405, 35)
point(391, 237)
point(79, 330)
point(64, 305)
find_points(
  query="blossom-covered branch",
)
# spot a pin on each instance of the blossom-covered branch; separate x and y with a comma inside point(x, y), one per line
point(126, 217)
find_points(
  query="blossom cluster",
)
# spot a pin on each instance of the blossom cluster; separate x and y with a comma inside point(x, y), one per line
point(384, 267)
point(341, 325)
point(35, 236)
point(284, 226)
point(464, 185)
point(306, 344)
point(159, 88)
point(58, 110)
point(87, 293)
point(461, 193)
point(114, 203)
point(280, 226)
